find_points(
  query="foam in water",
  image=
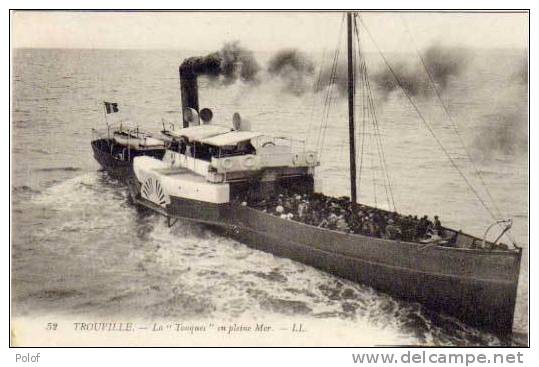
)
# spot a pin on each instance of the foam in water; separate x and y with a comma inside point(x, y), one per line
point(80, 248)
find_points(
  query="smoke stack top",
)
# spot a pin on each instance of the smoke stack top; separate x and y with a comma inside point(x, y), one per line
point(226, 66)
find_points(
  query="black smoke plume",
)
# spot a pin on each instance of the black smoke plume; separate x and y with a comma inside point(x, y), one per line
point(226, 66)
point(410, 78)
point(441, 63)
point(238, 63)
point(444, 63)
point(504, 129)
point(333, 75)
point(383, 79)
point(293, 68)
point(503, 132)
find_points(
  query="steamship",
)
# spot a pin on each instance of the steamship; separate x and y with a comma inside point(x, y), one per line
point(208, 165)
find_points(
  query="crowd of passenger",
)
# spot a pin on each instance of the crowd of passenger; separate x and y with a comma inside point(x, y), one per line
point(339, 214)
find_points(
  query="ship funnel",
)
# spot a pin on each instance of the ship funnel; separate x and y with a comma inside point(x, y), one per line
point(226, 66)
point(189, 70)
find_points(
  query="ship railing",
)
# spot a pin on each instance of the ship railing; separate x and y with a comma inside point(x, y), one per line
point(254, 162)
point(280, 141)
point(120, 127)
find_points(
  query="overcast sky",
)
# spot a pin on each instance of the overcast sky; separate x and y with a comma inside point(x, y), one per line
point(261, 31)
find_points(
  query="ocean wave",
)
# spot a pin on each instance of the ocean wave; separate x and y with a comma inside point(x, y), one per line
point(56, 294)
point(191, 271)
point(286, 306)
point(273, 275)
point(54, 169)
point(25, 189)
point(43, 151)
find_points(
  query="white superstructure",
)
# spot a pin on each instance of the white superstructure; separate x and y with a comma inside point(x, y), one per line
point(204, 160)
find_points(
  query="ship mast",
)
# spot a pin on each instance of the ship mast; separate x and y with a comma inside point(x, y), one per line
point(351, 90)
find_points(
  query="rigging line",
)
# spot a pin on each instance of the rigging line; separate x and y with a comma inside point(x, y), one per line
point(410, 99)
point(362, 132)
point(370, 98)
point(316, 88)
point(332, 86)
point(378, 135)
point(329, 89)
point(344, 140)
point(322, 118)
point(316, 83)
point(326, 97)
point(373, 175)
point(374, 117)
point(386, 182)
point(455, 128)
point(361, 66)
point(453, 123)
point(371, 141)
point(360, 138)
point(327, 105)
point(355, 72)
point(330, 98)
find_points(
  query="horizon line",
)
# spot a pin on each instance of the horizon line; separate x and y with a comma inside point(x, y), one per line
point(255, 50)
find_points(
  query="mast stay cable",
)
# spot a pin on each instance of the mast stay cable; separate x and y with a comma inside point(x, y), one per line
point(425, 122)
point(329, 95)
point(376, 127)
point(316, 88)
point(457, 132)
point(450, 118)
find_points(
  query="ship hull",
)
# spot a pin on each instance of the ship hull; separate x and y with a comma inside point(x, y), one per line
point(476, 286)
point(478, 301)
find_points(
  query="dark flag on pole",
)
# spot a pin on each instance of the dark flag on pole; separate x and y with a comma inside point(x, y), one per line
point(111, 107)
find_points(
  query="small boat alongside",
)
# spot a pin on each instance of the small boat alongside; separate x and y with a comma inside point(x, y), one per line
point(116, 149)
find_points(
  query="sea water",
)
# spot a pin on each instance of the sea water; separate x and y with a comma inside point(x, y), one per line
point(80, 248)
